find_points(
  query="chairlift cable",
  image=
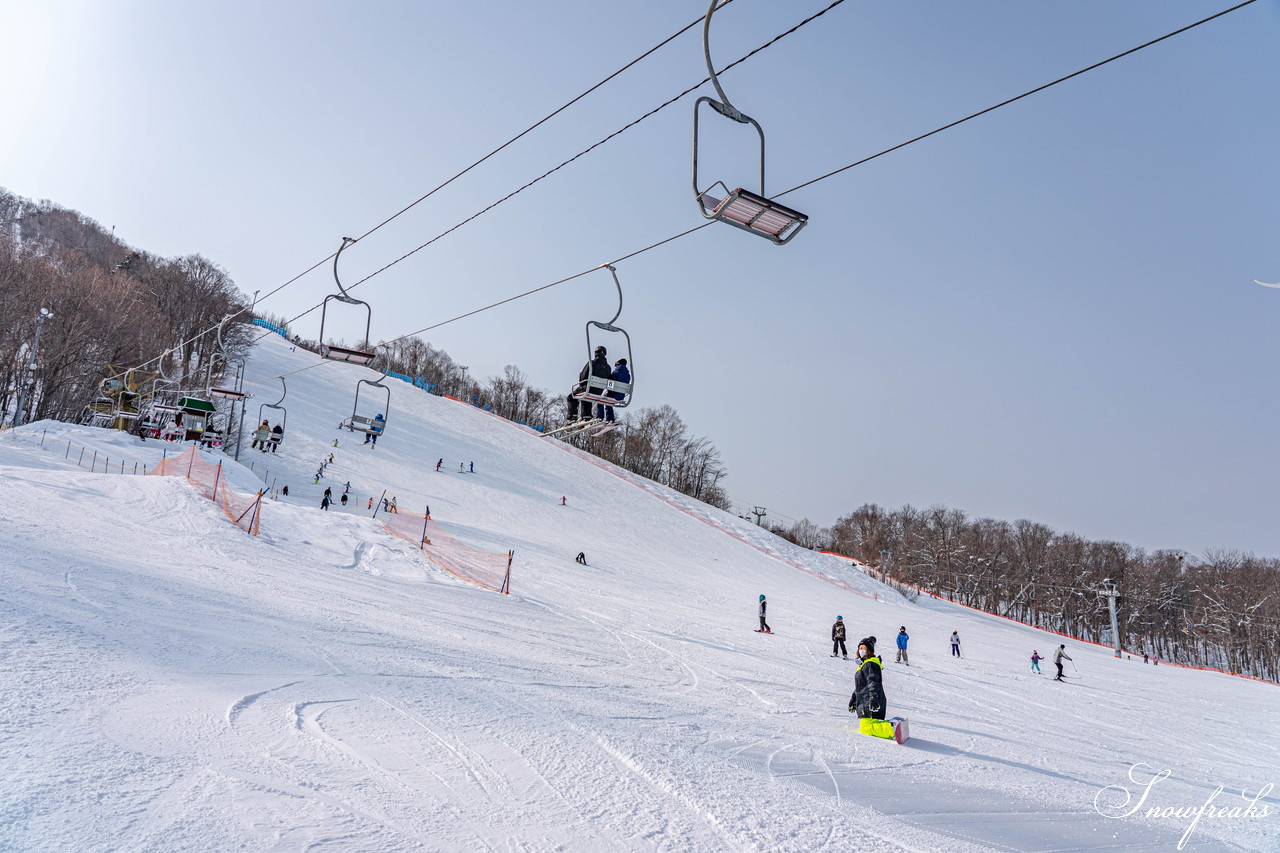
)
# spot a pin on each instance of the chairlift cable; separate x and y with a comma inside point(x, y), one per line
point(1025, 94)
point(495, 151)
point(812, 181)
point(577, 156)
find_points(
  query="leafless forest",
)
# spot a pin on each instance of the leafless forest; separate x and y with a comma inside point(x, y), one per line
point(1219, 610)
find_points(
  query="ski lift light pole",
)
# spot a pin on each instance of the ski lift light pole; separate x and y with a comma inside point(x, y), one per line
point(28, 379)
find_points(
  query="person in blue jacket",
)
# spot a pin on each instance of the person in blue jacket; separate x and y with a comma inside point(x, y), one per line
point(902, 646)
point(621, 373)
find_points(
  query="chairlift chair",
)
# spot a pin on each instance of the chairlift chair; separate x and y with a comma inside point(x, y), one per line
point(365, 423)
point(597, 389)
point(284, 415)
point(741, 208)
point(337, 353)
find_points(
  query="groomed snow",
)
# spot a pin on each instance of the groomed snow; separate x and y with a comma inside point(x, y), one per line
point(170, 683)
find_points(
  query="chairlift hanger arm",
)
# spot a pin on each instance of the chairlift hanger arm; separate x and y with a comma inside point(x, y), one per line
point(344, 296)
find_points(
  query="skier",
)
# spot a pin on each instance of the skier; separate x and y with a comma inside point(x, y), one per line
point(955, 644)
point(868, 700)
point(837, 639)
point(369, 505)
point(461, 470)
point(330, 458)
point(346, 487)
point(439, 462)
point(386, 505)
point(392, 508)
point(324, 502)
point(764, 626)
point(328, 493)
point(599, 367)
point(621, 373)
point(1145, 658)
point(581, 559)
point(902, 646)
point(285, 491)
point(1058, 657)
point(1035, 661)
point(344, 498)
point(564, 501)
point(473, 467)
point(277, 435)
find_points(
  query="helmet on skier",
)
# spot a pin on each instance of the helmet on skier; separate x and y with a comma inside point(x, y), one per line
point(601, 351)
point(762, 598)
point(839, 618)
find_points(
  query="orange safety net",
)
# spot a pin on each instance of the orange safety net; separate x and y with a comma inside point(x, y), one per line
point(483, 568)
point(244, 512)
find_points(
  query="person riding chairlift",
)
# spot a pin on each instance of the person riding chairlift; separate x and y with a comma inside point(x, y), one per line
point(597, 367)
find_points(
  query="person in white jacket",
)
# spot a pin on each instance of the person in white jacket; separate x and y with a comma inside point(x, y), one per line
point(1058, 657)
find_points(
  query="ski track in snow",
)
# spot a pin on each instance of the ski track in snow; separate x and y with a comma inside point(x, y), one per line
point(170, 683)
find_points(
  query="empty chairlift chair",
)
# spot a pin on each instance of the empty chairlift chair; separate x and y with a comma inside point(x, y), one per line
point(337, 353)
point(741, 208)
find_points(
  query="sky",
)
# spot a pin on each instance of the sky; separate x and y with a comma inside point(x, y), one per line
point(1046, 313)
point(323, 687)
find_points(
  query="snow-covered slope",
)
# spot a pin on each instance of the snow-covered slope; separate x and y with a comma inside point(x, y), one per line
point(170, 683)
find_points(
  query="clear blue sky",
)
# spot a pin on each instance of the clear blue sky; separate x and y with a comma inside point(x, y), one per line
point(1045, 313)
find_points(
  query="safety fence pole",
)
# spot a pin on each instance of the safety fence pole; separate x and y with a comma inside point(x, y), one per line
point(506, 580)
point(425, 519)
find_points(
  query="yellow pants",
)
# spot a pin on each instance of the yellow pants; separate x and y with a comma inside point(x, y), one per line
point(875, 728)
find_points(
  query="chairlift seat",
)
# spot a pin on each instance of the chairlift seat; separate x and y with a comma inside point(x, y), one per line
point(373, 426)
point(744, 209)
point(228, 394)
point(354, 356)
point(598, 388)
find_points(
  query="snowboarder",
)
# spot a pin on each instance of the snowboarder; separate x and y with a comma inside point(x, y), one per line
point(1035, 661)
point(344, 498)
point(868, 700)
point(581, 559)
point(599, 367)
point(324, 503)
point(837, 639)
point(1058, 657)
point(955, 644)
point(764, 626)
point(902, 646)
